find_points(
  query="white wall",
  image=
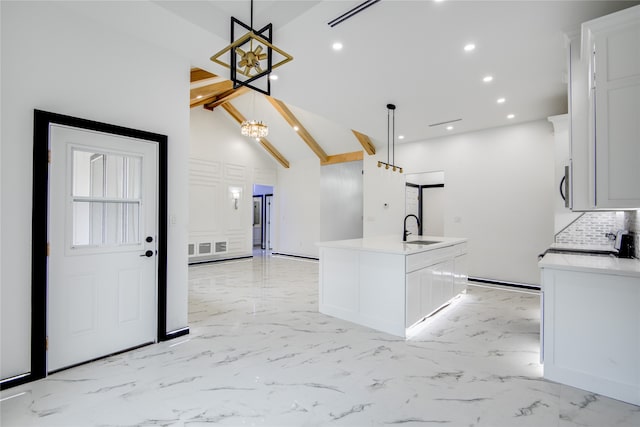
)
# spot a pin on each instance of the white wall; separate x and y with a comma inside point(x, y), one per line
point(220, 158)
point(298, 208)
point(54, 60)
point(384, 203)
point(500, 187)
point(341, 198)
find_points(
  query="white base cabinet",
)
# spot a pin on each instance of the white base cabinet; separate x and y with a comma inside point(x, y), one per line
point(390, 291)
point(591, 332)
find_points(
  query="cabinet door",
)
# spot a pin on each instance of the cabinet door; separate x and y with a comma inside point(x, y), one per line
point(615, 117)
point(436, 286)
point(460, 274)
point(413, 284)
point(580, 184)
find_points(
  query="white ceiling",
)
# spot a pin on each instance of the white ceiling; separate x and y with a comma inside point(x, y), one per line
point(409, 53)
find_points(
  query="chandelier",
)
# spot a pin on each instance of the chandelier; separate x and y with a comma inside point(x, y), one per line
point(252, 57)
point(254, 129)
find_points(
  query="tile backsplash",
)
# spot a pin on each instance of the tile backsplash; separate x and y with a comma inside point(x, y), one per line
point(591, 228)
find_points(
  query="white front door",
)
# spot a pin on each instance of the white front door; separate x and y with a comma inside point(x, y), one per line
point(102, 273)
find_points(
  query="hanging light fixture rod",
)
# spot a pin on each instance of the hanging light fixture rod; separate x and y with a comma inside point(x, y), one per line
point(391, 131)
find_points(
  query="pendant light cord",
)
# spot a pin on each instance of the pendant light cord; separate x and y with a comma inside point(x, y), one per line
point(393, 138)
point(388, 120)
point(251, 15)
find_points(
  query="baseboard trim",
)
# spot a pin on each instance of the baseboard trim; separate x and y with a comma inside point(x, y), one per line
point(504, 283)
point(17, 380)
point(177, 333)
point(295, 256)
point(220, 260)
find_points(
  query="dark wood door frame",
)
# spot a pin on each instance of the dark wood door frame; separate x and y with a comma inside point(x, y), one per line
point(41, 125)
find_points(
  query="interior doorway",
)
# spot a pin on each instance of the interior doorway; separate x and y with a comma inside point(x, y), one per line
point(263, 209)
point(425, 198)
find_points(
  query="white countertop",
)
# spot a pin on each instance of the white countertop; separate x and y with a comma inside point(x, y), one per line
point(392, 244)
point(583, 247)
point(592, 264)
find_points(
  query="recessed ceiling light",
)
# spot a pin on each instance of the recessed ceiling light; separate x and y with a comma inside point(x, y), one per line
point(199, 97)
point(487, 79)
point(469, 47)
point(501, 100)
point(273, 76)
point(337, 46)
point(296, 128)
point(449, 127)
point(511, 116)
point(400, 136)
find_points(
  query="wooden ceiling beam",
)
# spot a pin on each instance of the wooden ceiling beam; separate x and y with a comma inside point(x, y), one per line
point(208, 92)
point(238, 117)
point(198, 74)
point(365, 141)
point(203, 101)
point(226, 97)
point(343, 158)
point(302, 132)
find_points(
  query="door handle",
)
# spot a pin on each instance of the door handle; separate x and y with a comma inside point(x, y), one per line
point(148, 254)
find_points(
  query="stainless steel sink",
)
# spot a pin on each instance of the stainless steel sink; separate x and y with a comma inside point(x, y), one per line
point(422, 242)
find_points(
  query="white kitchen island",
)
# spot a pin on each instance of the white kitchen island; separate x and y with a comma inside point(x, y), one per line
point(591, 323)
point(387, 284)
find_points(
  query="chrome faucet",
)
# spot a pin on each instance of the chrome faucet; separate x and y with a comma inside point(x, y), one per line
point(406, 233)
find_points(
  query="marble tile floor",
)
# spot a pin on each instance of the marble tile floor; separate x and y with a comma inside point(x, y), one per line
point(259, 353)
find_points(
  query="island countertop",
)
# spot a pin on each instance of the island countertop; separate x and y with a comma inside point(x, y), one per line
point(393, 244)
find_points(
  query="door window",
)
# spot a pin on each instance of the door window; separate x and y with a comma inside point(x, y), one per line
point(106, 199)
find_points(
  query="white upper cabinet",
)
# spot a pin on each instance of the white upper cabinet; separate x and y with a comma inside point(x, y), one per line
point(605, 113)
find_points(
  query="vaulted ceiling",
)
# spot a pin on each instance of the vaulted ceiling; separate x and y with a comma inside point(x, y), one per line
point(410, 53)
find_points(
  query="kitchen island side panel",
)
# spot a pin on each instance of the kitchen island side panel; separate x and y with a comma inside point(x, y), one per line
point(363, 287)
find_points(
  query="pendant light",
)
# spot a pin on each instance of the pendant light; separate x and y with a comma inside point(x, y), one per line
point(254, 128)
point(391, 130)
point(251, 57)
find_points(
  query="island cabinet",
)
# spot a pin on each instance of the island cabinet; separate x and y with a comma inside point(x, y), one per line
point(604, 95)
point(433, 278)
point(591, 323)
point(389, 285)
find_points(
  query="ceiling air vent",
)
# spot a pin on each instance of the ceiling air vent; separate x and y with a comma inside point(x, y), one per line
point(192, 249)
point(444, 123)
point(352, 12)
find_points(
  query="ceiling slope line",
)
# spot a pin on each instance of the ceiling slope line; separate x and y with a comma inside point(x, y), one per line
point(365, 141)
point(343, 158)
point(302, 132)
point(238, 117)
point(226, 97)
